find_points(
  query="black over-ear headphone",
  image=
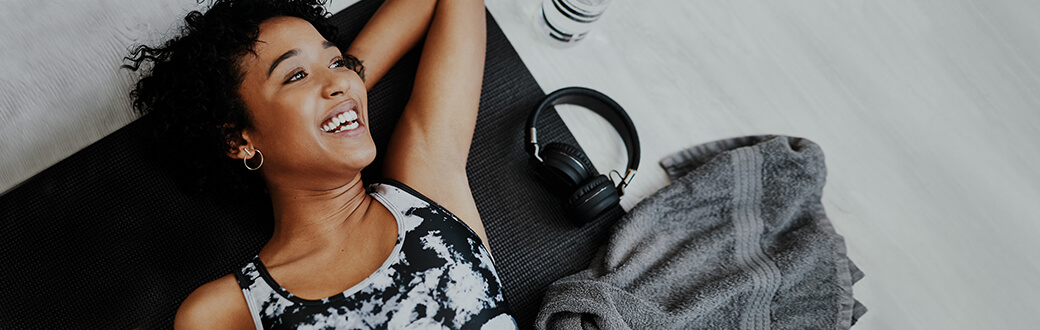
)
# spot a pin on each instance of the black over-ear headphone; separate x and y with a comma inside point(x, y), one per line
point(567, 170)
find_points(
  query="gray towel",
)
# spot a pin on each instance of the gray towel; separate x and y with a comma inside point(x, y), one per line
point(738, 240)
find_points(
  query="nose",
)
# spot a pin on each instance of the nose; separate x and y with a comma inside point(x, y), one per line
point(336, 84)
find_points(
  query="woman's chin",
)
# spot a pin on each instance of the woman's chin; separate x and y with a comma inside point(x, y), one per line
point(362, 157)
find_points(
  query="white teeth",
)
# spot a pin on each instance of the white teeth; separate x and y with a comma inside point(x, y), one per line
point(352, 125)
point(346, 117)
point(347, 127)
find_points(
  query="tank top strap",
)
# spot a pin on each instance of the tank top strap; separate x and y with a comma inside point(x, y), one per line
point(253, 286)
point(405, 200)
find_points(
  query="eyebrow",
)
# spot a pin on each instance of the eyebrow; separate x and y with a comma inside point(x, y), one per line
point(293, 52)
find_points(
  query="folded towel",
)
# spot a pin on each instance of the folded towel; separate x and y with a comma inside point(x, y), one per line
point(739, 239)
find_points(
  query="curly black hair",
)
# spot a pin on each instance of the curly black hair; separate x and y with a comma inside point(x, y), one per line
point(191, 91)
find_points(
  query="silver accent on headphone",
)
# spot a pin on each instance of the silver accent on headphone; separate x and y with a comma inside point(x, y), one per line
point(594, 195)
point(534, 141)
point(628, 176)
point(624, 180)
point(576, 161)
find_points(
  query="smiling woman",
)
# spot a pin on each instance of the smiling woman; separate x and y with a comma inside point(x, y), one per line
point(409, 251)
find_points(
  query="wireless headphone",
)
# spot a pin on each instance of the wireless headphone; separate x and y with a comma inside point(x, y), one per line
point(567, 170)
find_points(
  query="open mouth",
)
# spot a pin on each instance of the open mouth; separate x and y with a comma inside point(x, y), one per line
point(342, 122)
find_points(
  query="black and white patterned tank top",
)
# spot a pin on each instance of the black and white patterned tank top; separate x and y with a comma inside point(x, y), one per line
point(439, 275)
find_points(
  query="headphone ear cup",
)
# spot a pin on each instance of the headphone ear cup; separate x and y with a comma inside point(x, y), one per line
point(595, 196)
point(564, 167)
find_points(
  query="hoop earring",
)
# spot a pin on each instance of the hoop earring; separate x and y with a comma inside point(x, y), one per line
point(246, 160)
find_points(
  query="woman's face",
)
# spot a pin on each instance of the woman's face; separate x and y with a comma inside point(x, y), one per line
point(304, 102)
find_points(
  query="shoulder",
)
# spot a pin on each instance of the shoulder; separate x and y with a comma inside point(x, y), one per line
point(215, 305)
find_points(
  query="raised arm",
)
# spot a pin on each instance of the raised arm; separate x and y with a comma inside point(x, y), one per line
point(393, 30)
point(430, 145)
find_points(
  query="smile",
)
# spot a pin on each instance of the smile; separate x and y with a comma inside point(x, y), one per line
point(342, 122)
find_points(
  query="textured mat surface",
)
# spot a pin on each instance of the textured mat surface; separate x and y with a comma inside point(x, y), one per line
point(106, 239)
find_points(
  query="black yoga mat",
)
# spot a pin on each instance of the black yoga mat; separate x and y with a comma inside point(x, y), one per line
point(106, 239)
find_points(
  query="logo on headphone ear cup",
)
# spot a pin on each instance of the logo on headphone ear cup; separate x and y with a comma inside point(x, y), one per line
point(564, 168)
point(592, 198)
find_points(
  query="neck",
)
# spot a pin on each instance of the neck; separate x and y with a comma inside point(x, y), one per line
point(307, 220)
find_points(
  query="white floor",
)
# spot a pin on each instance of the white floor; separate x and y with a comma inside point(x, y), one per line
point(926, 109)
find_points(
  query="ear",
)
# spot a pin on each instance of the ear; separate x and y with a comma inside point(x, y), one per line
point(242, 152)
point(240, 147)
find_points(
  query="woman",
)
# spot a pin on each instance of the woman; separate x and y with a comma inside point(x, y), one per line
point(259, 82)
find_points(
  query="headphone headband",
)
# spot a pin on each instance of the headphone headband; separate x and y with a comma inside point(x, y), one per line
point(601, 105)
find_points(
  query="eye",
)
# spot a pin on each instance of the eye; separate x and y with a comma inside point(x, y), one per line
point(296, 76)
point(338, 63)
